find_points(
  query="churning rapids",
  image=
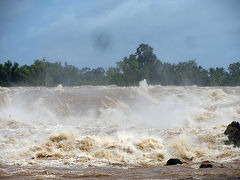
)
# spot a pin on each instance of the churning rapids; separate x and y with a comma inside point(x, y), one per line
point(127, 127)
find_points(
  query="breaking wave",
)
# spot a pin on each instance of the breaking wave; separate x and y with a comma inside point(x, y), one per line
point(109, 125)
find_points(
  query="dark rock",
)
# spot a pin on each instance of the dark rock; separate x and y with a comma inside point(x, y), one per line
point(206, 166)
point(173, 161)
point(233, 133)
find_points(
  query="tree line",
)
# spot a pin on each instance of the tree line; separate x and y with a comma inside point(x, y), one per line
point(143, 64)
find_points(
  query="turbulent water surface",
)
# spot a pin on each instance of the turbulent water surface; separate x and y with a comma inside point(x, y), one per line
point(117, 132)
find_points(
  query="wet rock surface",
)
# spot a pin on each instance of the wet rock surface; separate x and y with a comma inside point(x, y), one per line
point(206, 166)
point(233, 133)
point(173, 161)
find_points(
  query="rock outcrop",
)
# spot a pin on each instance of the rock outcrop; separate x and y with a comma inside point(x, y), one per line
point(173, 161)
point(233, 133)
point(206, 166)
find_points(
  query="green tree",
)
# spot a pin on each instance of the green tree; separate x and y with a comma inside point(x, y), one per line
point(218, 77)
point(115, 76)
point(148, 63)
point(141, 65)
point(38, 73)
point(188, 73)
point(234, 72)
point(71, 75)
point(130, 70)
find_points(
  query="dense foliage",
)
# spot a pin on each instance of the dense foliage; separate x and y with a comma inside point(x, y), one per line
point(144, 64)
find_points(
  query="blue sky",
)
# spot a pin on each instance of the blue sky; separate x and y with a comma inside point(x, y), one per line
point(97, 33)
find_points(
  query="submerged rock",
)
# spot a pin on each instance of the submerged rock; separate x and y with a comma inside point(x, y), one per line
point(173, 161)
point(206, 166)
point(233, 133)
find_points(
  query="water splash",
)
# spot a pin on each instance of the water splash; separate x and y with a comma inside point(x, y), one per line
point(127, 126)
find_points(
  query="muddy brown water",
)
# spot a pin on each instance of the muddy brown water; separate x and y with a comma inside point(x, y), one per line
point(219, 171)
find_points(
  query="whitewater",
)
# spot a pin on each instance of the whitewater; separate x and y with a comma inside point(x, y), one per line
point(124, 127)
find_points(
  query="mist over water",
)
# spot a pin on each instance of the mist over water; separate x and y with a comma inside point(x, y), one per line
point(127, 126)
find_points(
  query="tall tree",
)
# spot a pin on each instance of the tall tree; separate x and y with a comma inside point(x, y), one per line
point(234, 70)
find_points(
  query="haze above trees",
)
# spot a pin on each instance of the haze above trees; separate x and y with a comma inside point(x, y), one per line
point(143, 64)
